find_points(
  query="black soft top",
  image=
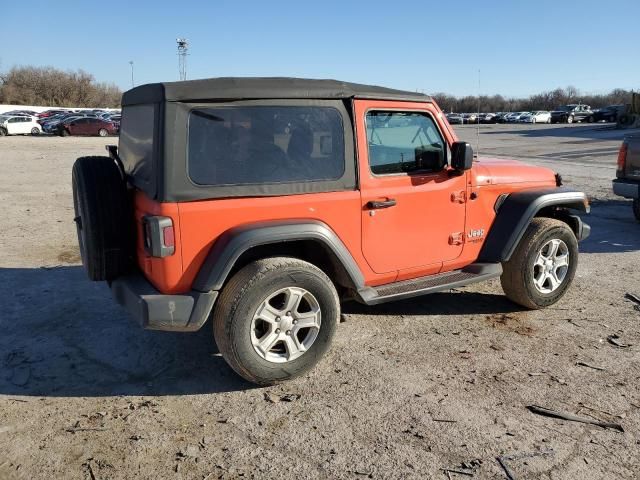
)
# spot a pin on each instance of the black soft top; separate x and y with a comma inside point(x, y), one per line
point(239, 88)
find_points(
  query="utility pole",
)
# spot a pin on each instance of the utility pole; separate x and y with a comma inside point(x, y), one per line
point(183, 48)
point(131, 63)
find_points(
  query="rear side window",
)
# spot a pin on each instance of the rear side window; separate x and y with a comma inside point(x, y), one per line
point(136, 142)
point(265, 144)
point(404, 142)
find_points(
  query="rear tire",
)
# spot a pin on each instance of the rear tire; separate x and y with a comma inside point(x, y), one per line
point(536, 275)
point(64, 132)
point(103, 217)
point(636, 208)
point(35, 131)
point(102, 132)
point(3, 132)
point(569, 119)
point(241, 328)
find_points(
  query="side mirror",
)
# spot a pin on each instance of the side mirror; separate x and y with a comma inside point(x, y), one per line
point(461, 156)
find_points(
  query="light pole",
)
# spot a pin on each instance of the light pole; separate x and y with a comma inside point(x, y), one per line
point(131, 63)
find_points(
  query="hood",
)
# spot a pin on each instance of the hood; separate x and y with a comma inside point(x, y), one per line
point(499, 171)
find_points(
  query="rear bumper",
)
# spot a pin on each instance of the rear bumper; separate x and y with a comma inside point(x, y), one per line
point(156, 311)
point(626, 188)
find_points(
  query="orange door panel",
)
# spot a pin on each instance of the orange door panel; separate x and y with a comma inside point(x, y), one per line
point(409, 221)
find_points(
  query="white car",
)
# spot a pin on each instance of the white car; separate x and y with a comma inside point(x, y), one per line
point(541, 116)
point(19, 125)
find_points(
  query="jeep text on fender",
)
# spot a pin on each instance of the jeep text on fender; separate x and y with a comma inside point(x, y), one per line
point(264, 202)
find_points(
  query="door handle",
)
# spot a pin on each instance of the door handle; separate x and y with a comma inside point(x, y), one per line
point(391, 202)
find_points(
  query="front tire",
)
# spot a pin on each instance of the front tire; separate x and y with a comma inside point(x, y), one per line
point(35, 131)
point(636, 208)
point(275, 319)
point(569, 119)
point(543, 265)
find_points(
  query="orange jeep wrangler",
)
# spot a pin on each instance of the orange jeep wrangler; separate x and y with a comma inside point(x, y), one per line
point(265, 202)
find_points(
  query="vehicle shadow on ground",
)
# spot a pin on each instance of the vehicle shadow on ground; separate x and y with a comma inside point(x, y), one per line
point(63, 335)
point(614, 229)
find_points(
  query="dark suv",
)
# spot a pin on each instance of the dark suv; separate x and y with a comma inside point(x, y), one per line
point(572, 113)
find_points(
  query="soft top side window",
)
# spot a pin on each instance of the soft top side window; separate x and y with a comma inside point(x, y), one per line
point(404, 142)
point(248, 145)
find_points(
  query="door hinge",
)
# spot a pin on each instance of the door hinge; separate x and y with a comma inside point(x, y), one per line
point(456, 238)
point(459, 197)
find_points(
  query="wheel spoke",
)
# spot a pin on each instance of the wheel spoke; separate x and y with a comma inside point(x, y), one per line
point(308, 320)
point(540, 260)
point(267, 312)
point(553, 248)
point(561, 260)
point(267, 342)
point(294, 295)
point(293, 346)
point(553, 280)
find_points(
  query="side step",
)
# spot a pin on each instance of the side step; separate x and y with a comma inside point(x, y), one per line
point(476, 272)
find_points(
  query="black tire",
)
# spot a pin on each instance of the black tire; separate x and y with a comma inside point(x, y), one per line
point(3, 132)
point(589, 119)
point(636, 208)
point(64, 132)
point(103, 217)
point(518, 273)
point(239, 301)
point(612, 119)
point(35, 131)
point(570, 119)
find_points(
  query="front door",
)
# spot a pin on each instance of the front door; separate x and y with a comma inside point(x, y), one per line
point(413, 207)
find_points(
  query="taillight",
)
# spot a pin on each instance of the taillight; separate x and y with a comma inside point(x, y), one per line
point(622, 157)
point(159, 237)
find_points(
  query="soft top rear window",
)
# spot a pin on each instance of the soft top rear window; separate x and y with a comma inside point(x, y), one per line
point(248, 145)
point(136, 143)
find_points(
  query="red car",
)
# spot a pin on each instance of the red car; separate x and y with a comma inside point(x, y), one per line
point(87, 126)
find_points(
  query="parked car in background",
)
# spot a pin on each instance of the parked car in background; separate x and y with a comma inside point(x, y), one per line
point(50, 113)
point(540, 116)
point(487, 117)
point(500, 117)
point(515, 117)
point(87, 126)
point(19, 125)
point(51, 125)
point(627, 182)
point(572, 113)
point(609, 114)
point(455, 118)
point(469, 118)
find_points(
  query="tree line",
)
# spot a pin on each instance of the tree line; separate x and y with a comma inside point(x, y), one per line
point(541, 101)
point(50, 87)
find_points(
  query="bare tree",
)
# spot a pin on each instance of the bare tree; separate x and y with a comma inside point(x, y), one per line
point(48, 86)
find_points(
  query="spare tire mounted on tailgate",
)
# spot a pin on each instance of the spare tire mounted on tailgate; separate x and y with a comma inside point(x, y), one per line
point(103, 217)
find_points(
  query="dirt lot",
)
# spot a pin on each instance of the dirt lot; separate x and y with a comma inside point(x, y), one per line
point(409, 388)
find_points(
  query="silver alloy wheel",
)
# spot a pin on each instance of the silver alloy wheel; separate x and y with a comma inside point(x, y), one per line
point(102, 132)
point(551, 266)
point(285, 325)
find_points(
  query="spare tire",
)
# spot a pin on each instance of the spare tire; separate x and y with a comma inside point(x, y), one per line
point(103, 217)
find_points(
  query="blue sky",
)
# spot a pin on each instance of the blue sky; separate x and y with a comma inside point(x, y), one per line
point(520, 47)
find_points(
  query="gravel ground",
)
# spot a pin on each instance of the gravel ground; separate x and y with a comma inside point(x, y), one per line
point(408, 389)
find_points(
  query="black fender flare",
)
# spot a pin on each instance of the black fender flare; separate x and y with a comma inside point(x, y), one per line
point(516, 212)
point(234, 242)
